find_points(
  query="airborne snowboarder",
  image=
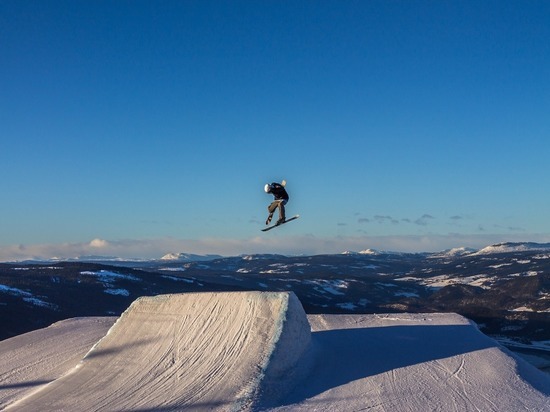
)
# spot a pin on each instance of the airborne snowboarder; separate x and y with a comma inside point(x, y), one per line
point(280, 200)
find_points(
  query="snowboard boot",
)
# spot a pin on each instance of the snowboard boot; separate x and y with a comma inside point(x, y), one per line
point(268, 221)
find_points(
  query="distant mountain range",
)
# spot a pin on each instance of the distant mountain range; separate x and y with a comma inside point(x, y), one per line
point(506, 247)
point(505, 288)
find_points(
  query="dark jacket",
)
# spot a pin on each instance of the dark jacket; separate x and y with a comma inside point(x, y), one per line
point(278, 191)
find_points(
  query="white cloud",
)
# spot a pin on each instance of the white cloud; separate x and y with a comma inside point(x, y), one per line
point(99, 243)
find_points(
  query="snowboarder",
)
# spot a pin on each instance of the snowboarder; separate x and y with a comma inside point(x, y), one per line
point(281, 198)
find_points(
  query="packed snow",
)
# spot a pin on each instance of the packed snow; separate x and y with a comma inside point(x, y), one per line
point(259, 351)
point(32, 360)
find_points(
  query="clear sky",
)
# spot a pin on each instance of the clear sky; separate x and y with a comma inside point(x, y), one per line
point(138, 128)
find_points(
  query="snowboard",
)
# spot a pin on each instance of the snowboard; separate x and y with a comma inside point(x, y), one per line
point(279, 224)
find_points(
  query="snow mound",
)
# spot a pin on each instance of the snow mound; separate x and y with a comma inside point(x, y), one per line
point(172, 352)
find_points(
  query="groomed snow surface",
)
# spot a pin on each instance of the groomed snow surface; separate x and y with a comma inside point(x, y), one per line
point(259, 351)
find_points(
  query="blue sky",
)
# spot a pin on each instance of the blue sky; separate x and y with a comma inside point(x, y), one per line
point(138, 128)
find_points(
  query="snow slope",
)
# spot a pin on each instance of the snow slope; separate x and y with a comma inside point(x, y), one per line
point(34, 359)
point(255, 351)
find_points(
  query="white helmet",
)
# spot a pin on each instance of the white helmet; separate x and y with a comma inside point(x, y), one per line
point(267, 187)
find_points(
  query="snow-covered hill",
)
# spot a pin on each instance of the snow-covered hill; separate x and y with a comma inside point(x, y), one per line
point(454, 252)
point(510, 247)
point(188, 257)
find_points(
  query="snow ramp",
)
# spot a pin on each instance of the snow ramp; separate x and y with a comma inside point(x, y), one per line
point(198, 351)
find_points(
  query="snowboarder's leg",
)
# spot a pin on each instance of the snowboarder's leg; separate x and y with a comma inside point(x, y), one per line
point(282, 217)
point(271, 208)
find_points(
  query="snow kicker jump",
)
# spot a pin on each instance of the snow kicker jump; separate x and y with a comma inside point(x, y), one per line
point(202, 350)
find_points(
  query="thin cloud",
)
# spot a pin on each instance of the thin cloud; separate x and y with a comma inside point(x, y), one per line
point(510, 228)
point(457, 220)
point(385, 219)
point(516, 229)
point(423, 220)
